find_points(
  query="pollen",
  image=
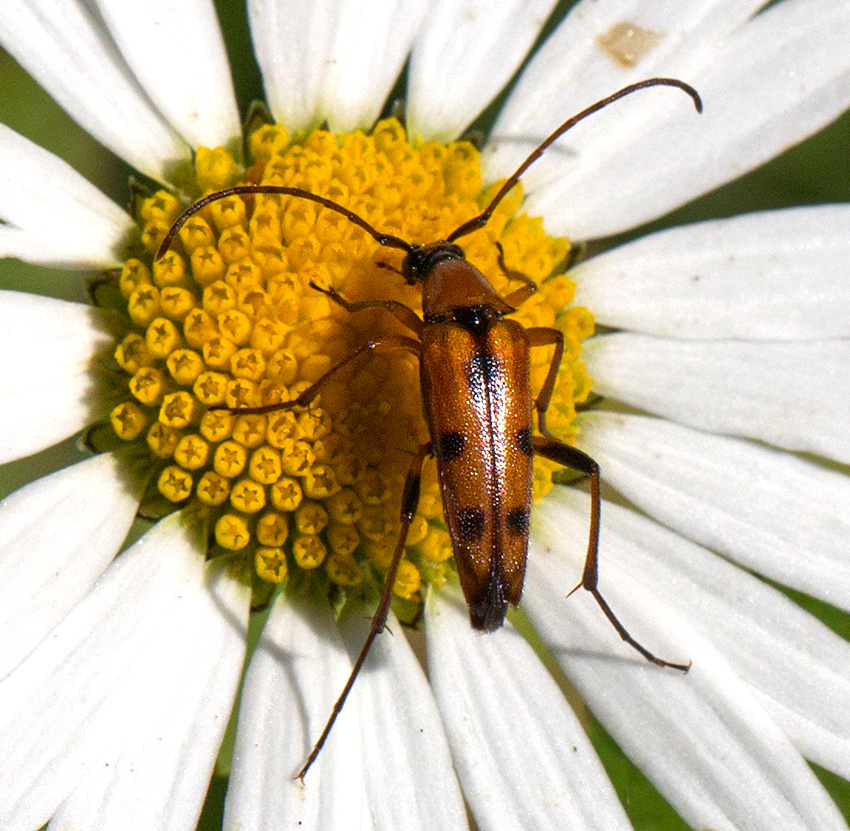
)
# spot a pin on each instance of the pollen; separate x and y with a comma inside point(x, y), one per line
point(233, 317)
point(407, 580)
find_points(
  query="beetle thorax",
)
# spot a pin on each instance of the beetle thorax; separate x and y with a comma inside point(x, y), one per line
point(449, 282)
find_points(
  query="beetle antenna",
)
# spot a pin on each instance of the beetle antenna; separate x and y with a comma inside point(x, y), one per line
point(387, 240)
point(392, 241)
point(481, 220)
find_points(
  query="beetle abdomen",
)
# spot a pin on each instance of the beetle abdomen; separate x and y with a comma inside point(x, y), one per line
point(480, 423)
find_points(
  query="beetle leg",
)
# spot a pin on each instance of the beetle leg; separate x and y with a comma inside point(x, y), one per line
point(409, 503)
point(574, 459)
point(517, 297)
point(545, 336)
point(403, 314)
point(387, 344)
point(389, 267)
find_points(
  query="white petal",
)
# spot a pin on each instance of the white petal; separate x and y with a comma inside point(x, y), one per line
point(766, 86)
point(573, 70)
point(53, 215)
point(777, 275)
point(296, 673)
point(523, 759)
point(793, 395)
point(185, 683)
point(58, 714)
point(704, 739)
point(799, 668)
point(292, 43)
point(47, 389)
point(68, 50)
point(402, 732)
point(326, 60)
point(177, 53)
point(57, 536)
point(466, 51)
point(760, 507)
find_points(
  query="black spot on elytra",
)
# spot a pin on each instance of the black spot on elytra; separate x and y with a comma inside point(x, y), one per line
point(523, 441)
point(450, 446)
point(518, 521)
point(471, 523)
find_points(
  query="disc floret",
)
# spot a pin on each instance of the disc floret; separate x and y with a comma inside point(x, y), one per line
point(227, 318)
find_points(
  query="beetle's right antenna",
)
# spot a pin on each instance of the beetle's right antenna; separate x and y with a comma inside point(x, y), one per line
point(481, 220)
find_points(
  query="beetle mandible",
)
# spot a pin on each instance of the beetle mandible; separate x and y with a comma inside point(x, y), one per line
point(474, 369)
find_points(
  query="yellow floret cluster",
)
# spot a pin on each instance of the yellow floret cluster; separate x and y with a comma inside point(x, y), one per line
point(228, 319)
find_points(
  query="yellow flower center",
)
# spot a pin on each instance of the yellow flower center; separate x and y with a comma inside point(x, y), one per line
point(228, 319)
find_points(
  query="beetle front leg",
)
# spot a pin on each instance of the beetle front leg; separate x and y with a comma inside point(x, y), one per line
point(575, 459)
point(403, 314)
point(517, 297)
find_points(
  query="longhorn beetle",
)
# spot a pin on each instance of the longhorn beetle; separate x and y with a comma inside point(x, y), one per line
point(474, 368)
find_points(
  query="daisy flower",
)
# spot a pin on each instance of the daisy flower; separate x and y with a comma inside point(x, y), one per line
point(713, 396)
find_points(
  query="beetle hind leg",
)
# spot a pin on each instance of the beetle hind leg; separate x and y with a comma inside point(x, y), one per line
point(574, 459)
point(409, 503)
point(624, 634)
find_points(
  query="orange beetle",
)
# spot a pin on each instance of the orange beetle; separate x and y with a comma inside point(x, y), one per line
point(474, 367)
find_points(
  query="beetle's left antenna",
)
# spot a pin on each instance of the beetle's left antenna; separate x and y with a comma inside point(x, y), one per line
point(387, 240)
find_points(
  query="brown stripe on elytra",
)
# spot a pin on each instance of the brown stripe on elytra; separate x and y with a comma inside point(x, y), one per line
point(449, 446)
point(518, 521)
point(523, 441)
point(471, 522)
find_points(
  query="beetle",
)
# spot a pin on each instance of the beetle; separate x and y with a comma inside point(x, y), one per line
point(478, 404)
